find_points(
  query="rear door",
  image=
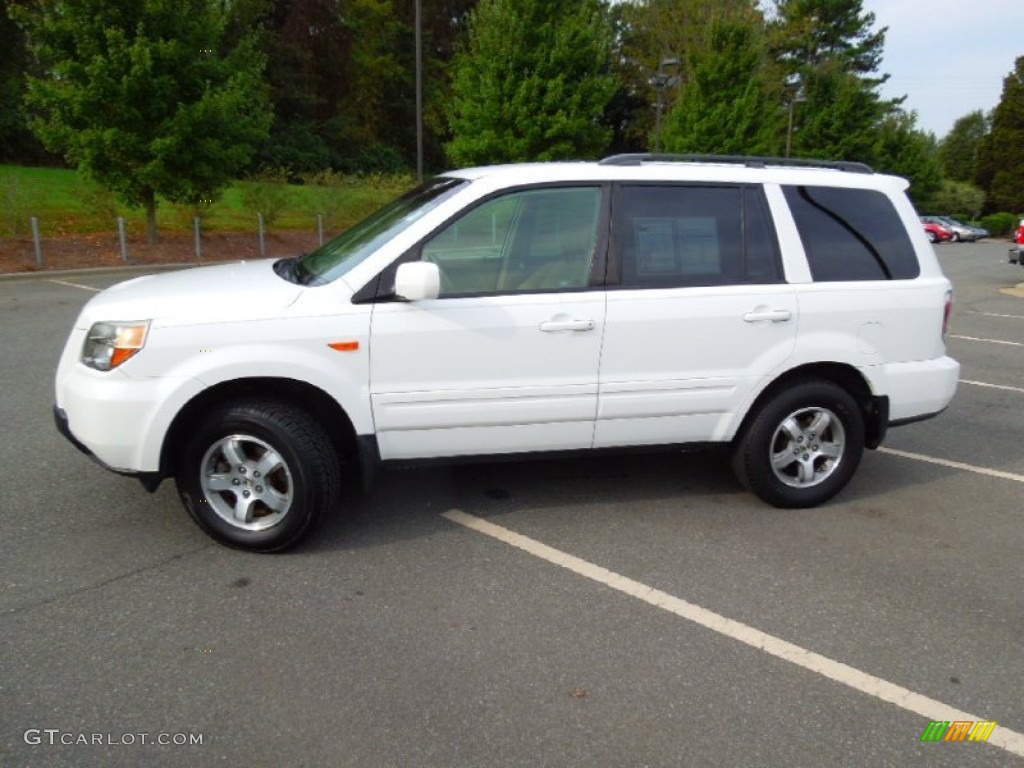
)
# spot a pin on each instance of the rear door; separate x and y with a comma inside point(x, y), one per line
point(698, 312)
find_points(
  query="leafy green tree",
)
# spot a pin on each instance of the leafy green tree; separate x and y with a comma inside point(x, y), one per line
point(958, 199)
point(655, 31)
point(1001, 155)
point(728, 106)
point(811, 33)
point(837, 117)
point(532, 82)
point(901, 149)
point(341, 75)
point(958, 151)
point(141, 96)
point(828, 54)
point(17, 142)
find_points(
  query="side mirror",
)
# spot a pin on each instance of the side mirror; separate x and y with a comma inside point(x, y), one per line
point(417, 280)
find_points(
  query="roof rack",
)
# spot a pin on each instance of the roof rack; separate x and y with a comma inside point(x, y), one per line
point(747, 160)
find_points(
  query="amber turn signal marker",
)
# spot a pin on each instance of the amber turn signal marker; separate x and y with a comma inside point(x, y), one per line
point(344, 346)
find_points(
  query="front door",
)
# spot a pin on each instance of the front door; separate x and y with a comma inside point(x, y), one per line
point(505, 360)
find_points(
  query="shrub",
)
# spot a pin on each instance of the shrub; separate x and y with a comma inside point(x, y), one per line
point(1000, 224)
point(326, 195)
point(266, 192)
point(97, 200)
point(14, 207)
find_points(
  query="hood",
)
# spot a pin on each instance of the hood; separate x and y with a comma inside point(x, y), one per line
point(222, 293)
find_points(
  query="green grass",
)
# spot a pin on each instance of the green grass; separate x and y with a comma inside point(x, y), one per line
point(66, 203)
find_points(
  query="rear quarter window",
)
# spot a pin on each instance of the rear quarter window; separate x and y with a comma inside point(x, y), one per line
point(851, 234)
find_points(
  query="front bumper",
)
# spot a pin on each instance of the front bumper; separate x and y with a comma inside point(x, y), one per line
point(150, 480)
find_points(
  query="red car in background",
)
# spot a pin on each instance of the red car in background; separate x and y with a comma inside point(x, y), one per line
point(936, 232)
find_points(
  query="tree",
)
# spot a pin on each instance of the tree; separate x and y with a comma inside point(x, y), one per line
point(17, 142)
point(681, 30)
point(141, 96)
point(342, 75)
point(727, 106)
point(828, 55)
point(810, 33)
point(901, 149)
point(532, 82)
point(958, 151)
point(1001, 155)
point(958, 199)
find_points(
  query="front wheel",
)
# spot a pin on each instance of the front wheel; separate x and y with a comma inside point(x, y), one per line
point(803, 446)
point(257, 475)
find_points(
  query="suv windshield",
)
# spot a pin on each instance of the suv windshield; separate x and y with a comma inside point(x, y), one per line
point(336, 257)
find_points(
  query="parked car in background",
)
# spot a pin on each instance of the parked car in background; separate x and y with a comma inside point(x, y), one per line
point(937, 233)
point(960, 232)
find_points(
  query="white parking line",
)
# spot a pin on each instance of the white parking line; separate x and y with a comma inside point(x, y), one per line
point(1004, 738)
point(955, 465)
point(992, 386)
point(989, 341)
point(76, 285)
point(994, 314)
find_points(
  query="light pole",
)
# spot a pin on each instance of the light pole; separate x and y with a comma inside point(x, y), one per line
point(419, 92)
point(795, 98)
point(661, 81)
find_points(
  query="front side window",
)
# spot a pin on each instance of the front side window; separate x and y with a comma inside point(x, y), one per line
point(851, 234)
point(675, 235)
point(529, 240)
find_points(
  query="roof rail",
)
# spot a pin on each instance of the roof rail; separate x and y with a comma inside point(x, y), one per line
point(748, 160)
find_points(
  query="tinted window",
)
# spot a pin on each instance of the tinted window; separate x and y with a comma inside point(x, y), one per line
point(669, 236)
point(851, 234)
point(531, 240)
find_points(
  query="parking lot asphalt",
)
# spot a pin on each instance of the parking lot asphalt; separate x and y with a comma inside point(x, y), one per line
point(608, 611)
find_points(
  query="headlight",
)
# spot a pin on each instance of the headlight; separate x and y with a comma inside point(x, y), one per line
point(107, 345)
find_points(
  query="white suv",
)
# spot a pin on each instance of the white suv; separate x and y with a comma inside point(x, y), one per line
point(791, 309)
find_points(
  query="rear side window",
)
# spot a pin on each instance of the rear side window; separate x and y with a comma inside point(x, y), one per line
point(674, 236)
point(851, 234)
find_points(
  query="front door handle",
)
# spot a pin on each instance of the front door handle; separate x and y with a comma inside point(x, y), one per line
point(553, 326)
point(763, 314)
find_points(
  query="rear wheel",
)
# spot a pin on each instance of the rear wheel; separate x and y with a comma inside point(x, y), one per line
point(258, 474)
point(803, 446)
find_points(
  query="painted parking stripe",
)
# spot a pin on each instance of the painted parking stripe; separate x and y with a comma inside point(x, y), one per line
point(988, 341)
point(995, 314)
point(955, 465)
point(926, 707)
point(76, 285)
point(992, 386)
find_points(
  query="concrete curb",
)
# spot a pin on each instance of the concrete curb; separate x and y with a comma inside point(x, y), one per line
point(42, 274)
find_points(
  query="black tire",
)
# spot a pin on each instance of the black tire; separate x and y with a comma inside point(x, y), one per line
point(805, 477)
point(955, 238)
point(285, 475)
point(932, 237)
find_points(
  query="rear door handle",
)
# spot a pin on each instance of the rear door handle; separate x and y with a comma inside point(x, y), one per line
point(553, 326)
point(763, 314)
